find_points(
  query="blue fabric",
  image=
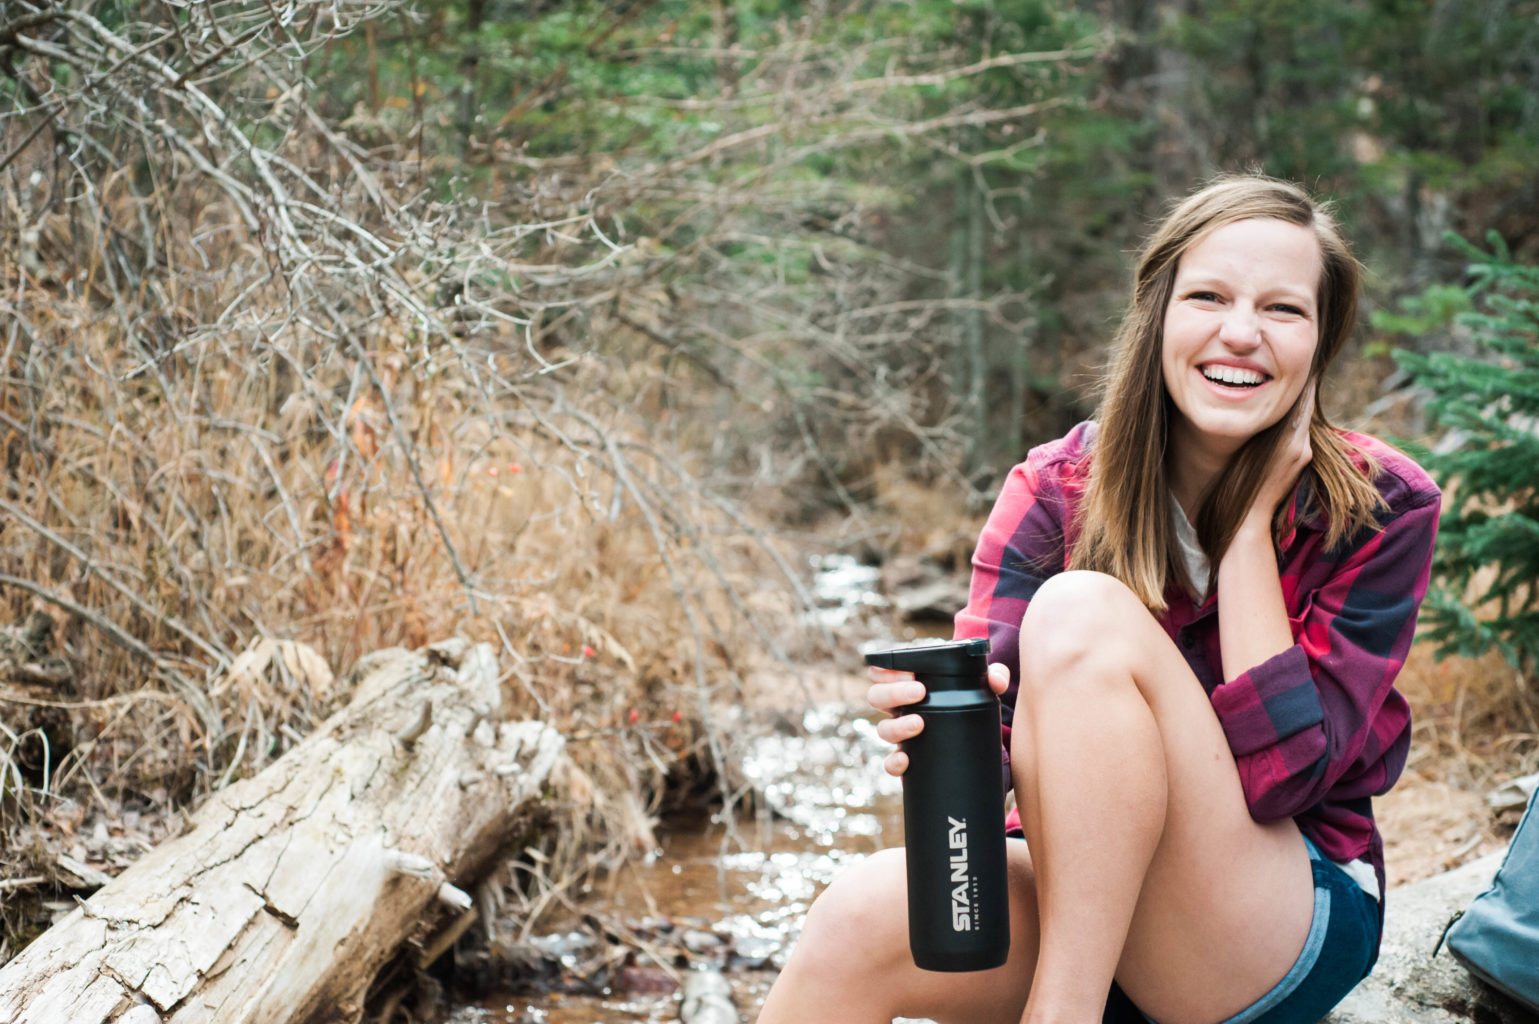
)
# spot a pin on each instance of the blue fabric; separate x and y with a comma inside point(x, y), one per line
point(1497, 938)
point(1339, 951)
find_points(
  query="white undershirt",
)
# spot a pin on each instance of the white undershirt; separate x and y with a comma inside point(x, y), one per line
point(1196, 561)
point(1191, 552)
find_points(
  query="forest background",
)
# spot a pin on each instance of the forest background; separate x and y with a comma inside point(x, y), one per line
point(580, 327)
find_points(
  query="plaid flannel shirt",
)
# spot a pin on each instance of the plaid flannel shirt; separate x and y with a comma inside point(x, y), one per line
point(1316, 731)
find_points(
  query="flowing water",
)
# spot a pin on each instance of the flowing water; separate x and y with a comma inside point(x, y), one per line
point(731, 896)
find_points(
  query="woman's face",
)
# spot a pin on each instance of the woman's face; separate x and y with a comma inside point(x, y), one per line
point(1240, 332)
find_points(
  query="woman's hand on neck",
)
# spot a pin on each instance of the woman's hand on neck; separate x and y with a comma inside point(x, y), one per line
point(1194, 461)
point(1291, 459)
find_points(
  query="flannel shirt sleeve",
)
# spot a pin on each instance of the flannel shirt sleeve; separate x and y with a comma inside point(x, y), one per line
point(1020, 546)
point(1299, 721)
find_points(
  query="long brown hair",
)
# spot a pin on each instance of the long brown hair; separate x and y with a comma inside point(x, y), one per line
point(1124, 522)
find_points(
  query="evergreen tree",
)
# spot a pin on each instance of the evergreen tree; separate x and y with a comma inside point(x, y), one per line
point(1487, 565)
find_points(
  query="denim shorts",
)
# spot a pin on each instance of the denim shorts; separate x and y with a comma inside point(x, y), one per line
point(1339, 951)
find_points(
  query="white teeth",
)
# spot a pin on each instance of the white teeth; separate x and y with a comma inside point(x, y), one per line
point(1232, 375)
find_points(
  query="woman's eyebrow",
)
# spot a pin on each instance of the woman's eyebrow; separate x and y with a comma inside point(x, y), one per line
point(1195, 280)
point(1291, 292)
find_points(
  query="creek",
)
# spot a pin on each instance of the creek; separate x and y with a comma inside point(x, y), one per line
point(731, 895)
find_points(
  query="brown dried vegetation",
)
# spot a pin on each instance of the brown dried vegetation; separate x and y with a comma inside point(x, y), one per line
point(277, 392)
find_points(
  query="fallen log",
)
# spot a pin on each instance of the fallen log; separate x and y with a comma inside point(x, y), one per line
point(290, 890)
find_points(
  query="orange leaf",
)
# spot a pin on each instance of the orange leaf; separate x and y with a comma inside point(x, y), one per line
point(340, 520)
point(365, 438)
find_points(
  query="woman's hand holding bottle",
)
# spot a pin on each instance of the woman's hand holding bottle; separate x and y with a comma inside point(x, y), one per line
point(891, 690)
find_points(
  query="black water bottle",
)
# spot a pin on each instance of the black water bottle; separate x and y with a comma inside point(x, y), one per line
point(953, 810)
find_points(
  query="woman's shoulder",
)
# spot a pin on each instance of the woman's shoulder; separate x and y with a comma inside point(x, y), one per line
point(1400, 480)
point(1064, 455)
point(1051, 478)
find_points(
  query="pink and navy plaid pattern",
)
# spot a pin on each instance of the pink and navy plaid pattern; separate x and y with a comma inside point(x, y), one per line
point(1316, 731)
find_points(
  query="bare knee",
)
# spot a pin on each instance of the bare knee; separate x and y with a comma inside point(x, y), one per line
point(1075, 617)
point(857, 930)
point(853, 946)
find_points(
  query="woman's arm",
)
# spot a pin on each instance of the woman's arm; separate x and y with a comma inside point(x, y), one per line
point(1302, 704)
point(1305, 701)
point(1252, 618)
point(1299, 721)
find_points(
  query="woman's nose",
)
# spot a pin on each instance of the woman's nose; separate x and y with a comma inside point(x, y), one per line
point(1241, 327)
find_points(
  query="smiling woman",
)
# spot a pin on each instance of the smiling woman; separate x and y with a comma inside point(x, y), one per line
point(1195, 716)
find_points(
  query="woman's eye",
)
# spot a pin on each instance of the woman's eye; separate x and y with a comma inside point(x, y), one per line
point(1204, 296)
point(1291, 310)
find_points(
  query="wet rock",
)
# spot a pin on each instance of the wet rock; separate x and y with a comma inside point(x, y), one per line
point(923, 590)
point(637, 979)
point(655, 924)
point(1410, 985)
point(702, 942)
point(563, 946)
point(843, 590)
point(510, 967)
point(572, 961)
point(707, 999)
point(754, 953)
point(1511, 797)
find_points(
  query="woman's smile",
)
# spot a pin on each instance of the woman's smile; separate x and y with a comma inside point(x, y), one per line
point(1234, 381)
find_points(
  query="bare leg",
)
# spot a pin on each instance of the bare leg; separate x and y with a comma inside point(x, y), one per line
point(1096, 766)
point(852, 963)
point(1149, 866)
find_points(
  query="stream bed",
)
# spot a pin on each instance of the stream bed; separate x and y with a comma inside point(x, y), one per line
point(733, 896)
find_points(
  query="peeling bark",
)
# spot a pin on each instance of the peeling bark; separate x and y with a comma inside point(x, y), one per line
point(291, 889)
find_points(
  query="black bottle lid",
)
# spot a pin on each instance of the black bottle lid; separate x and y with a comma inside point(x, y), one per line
point(957, 658)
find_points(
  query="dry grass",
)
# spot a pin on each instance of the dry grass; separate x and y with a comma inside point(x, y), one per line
point(168, 507)
point(1475, 725)
point(307, 400)
point(924, 519)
